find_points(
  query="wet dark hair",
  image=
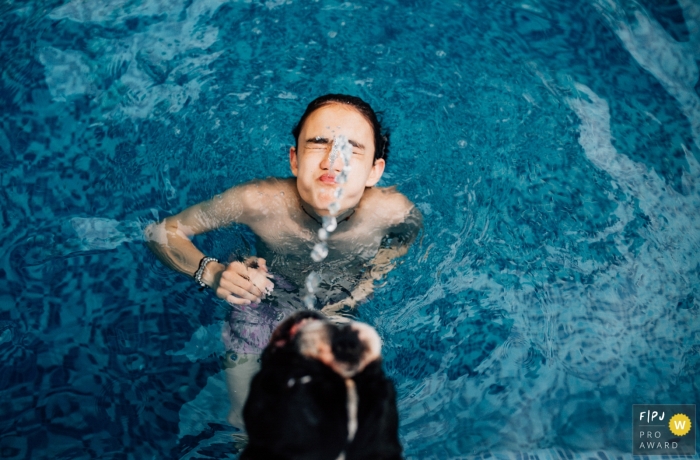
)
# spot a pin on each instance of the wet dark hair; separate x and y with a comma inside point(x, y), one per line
point(381, 138)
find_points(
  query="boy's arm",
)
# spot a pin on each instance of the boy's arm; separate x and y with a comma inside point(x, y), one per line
point(379, 266)
point(395, 245)
point(170, 241)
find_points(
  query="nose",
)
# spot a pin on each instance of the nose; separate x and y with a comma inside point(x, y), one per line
point(346, 345)
point(334, 155)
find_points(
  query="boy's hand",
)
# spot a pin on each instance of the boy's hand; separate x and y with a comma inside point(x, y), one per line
point(242, 283)
point(335, 308)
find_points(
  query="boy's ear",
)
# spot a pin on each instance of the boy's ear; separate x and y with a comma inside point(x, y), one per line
point(376, 173)
point(293, 163)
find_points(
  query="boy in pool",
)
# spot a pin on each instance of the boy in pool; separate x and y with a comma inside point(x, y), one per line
point(374, 226)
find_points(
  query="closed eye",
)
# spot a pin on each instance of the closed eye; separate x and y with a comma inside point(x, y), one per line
point(317, 143)
point(318, 140)
point(357, 148)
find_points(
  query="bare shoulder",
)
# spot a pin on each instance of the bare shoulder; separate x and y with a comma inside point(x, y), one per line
point(389, 205)
point(258, 197)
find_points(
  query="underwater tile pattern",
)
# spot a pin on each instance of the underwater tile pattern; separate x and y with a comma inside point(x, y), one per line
point(552, 147)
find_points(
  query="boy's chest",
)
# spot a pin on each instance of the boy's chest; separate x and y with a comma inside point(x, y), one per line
point(288, 238)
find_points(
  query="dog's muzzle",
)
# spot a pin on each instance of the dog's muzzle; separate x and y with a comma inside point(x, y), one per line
point(347, 349)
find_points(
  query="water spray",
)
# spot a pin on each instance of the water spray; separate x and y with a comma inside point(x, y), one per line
point(343, 149)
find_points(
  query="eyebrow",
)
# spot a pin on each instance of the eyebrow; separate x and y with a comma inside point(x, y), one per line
point(318, 140)
point(325, 140)
point(356, 144)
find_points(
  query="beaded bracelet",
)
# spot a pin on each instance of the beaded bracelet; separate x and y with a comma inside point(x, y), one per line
point(200, 271)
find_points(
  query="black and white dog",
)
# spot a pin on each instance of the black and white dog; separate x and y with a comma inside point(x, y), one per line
point(321, 393)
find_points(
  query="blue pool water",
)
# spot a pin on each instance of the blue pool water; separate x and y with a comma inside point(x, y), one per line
point(552, 147)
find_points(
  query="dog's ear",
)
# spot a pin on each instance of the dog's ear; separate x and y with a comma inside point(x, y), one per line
point(288, 328)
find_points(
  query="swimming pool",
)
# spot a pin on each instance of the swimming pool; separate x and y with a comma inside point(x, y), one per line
point(551, 146)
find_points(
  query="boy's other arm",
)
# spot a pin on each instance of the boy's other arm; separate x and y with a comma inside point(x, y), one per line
point(170, 241)
point(379, 266)
point(396, 244)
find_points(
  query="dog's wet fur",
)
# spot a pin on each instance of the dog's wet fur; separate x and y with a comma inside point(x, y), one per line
point(321, 394)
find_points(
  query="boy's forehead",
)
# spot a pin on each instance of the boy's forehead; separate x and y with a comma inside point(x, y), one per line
point(335, 119)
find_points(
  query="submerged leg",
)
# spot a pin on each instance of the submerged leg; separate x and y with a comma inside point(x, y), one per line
point(240, 370)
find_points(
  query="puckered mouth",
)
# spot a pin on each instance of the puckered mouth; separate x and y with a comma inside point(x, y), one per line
point(328, 179)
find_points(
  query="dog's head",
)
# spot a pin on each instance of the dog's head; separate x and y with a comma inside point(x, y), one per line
point(320, 392)
point(345, 348)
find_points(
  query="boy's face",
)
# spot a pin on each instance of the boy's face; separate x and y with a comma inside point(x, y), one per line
point(311, 163)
